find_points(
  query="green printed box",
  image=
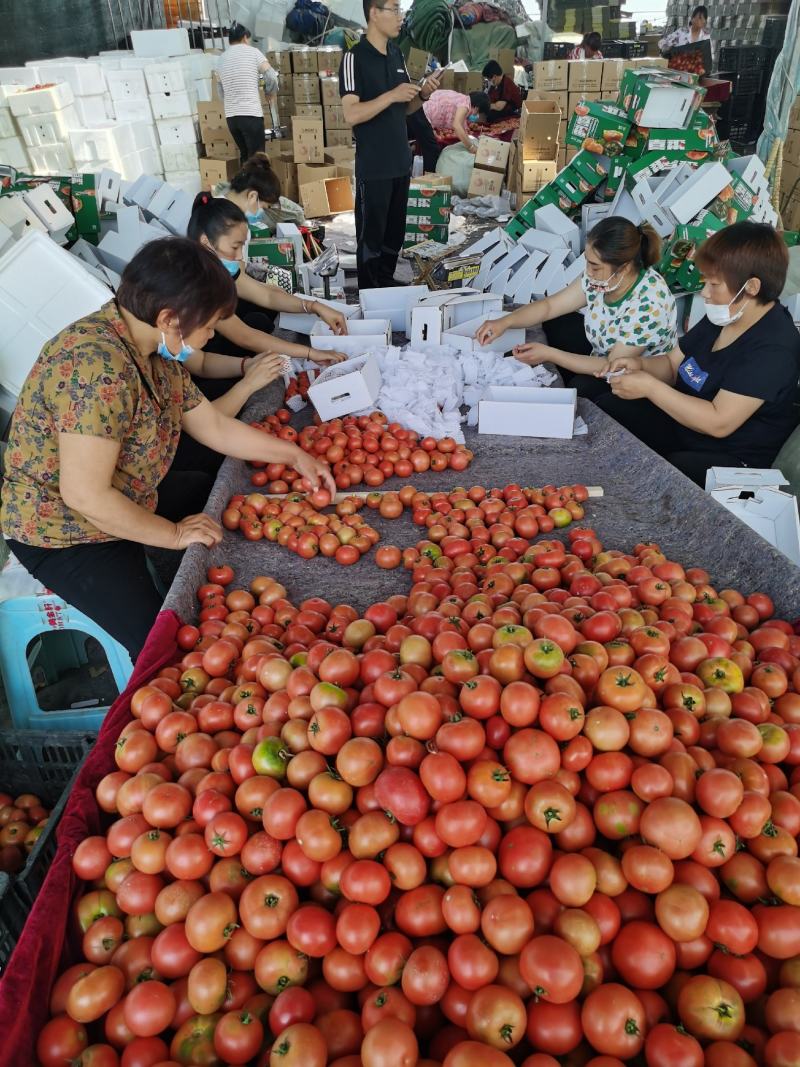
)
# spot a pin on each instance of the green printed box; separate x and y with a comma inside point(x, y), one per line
point(414, 236)
point(677, 258)
point(599, 126)
point(693, 144)
point(662, 100)
point(616, 176)
point(271, 251)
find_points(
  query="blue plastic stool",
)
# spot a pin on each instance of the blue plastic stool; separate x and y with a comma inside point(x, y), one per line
point(26, 619)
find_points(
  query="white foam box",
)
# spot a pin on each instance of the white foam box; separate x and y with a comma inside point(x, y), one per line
point(174, 105)
point(145, 135)
point(391, 303)
point(699, 189)
point(41, 101)
point(463, 336)
point(550, 219)
point(91, 110)
point(19, 76)
point(51, 159)
point(172, 207)
point(204, 90)
point(167, 78)
point(154, 43)
point(202, 64)
point(134, 109)
point(83, 77)
point(769, 512)
point(300, 322)
point(178, 131)
point(346, 387)
point(185, 181)
point(142, 191)
point(527, 411)
point(7, 127)
point(362, 335)
point(48, 208)
point(42, 290)
point(142, 161)
point(179, 157)
point(106, 141)
point(126, 85)
point(48, 129)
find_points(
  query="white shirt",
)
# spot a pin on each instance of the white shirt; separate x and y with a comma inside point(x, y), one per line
point(683, 35)
point(645, 317)
point(238, 72)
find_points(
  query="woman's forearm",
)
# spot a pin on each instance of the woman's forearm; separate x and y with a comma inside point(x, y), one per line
point(113, 513)
point(528, 315)
point(216, 365)
point(258, 341)
point(232, 402)
point(659, 367)
point(689, 411)
point(571, 361)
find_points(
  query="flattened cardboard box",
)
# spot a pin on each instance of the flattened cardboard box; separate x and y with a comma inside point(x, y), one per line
point(331, 196)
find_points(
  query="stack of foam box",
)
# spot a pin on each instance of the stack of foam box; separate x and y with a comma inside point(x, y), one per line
point(44, 119)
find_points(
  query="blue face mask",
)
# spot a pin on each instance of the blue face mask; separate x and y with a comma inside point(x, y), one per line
point(232, 266)
point(254, 217)
point(182, 356)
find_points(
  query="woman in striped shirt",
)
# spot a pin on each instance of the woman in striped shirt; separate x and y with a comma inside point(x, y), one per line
point(239, 72)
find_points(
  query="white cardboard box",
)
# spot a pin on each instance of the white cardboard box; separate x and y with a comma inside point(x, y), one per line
point(647, 202)
point(154, 43)
point(362, 335)
point(300, 322)
point(768, 511)
point(41, 101)
point(83, 77)
point(668, 106)
point(463, 336)
point(133, 109)
point(49, 209)
point(167, 78)
point(527, 411)
point(142, 191)
point(346, 387)
point(42, 290)
point(126, 85)
point(174, 105)
point(744, 478)
point(18, 217)
point(699, 189)
point(550, 219)
point(178, 131)
point(392, 303)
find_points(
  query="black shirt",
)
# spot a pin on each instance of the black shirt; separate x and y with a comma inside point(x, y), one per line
point(382, 149)
point(763, 363)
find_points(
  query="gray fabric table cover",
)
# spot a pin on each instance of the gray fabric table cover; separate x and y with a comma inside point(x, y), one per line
point(645, 499)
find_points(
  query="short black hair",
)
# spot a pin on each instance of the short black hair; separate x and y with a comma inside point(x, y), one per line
point(237, 33)
point(701, 9)
point(743, 251)
point(213, 216)
point(368, 6)
point(593, 40)
point(492, 69)
point(257, 174)
point(480, 101)
point(177, 275)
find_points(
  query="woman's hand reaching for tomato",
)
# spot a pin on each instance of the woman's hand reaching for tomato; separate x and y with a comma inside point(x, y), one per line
point(197, 530)
point(317, 355)
point(315, 471)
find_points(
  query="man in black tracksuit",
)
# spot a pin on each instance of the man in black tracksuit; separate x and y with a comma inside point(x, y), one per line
point(377, 96)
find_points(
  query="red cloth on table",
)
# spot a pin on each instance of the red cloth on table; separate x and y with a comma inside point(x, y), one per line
point(51, 940)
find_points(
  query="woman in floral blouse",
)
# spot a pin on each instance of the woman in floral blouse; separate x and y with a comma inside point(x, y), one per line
point(95, 431)
point(626, 305)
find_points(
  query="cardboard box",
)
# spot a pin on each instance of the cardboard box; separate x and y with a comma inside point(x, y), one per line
point(551, 220)
point(338, 138)
point(329, 90)
point(527, 411)
point(340, 155)
point(329, 59)
point(585, 75)
point(533, 174)
point(551, 74)
point(417, 63)
point(346, 387)
point(768, 511)
point(492, 154)
point(604, 126)
point(505, 57)
point(576, 99)
point(794, 115)
point(330, 196)
point(462, 336)
point(658, 100)
point(538, 128)
point(791, 146)
point(305, 89)
point(561, 98)
point(334, 118)
point(212, 113)
point(700, 189)
point(213, 171)
point(362, 335)
point(221, 150)
point(391, 303)
point(215, 133)
point(308, 111)
point(612, 73)
point(308, 141)
point(304, 60)
point(485, 182)
point(271, 251)
point(280, 61)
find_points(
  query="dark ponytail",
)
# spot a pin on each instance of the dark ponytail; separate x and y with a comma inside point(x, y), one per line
point(213, 216)
point(617, 242)
point(257, 174)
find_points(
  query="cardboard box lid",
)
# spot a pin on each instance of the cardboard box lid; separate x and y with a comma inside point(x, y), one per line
point(744, 478)
point(768, 512)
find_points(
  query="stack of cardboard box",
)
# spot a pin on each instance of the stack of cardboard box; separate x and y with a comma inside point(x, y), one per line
point(428, 213)
point(651, 154)
point(489, 170)
point(790, 174)
point(221, 154)
point(535, 152)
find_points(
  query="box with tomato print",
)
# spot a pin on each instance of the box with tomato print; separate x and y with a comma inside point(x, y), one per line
point(695, 143)
point(677, 265)
point(598, 126)
point(662, 100)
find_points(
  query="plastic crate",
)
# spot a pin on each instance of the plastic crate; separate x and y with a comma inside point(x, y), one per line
point(633, 49)
point(746, 81)
point(743, 107)
point(610, 49)
point(745, 57)
point(557, 49)
point(45, 764)
point(774, 31)
point(13, 914)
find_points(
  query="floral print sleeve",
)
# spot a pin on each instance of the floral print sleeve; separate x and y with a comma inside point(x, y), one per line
point(92, 393)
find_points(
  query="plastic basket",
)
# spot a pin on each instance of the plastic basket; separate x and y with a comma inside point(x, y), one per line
point(745, 57)
point(13, 914)
point(557, 49)
point(44, 764)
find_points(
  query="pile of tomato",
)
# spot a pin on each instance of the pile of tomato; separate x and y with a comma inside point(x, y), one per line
point(362, 450)
point(531, 812)
point(22, 822)
point(472, 526)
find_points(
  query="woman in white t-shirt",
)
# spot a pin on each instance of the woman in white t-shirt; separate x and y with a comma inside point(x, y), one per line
point(691, 34)
point(240, 71)
point(627, 309)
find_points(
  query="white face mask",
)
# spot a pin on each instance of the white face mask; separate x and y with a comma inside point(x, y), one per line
point(720, 314)
point(605, 286)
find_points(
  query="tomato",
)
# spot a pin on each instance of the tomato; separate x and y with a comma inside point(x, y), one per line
point(672, 825)
point(194, 1040)
point(238, 1036)
point(552, 968)
point(643, 955)
point(613, 1020)
point(390, 1043)
point(207, 986)
point(497, 1017)
point(711, 1008)
point(425, 975)
point(60, 1041)
point(149, 1008)
point(669, 1046)
point(399, 791)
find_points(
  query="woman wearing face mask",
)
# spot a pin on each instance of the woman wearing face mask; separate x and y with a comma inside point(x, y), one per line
point(220, 226)
point(87, 469)
point(627, 309)
point(256, 189)
point(725, 395)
